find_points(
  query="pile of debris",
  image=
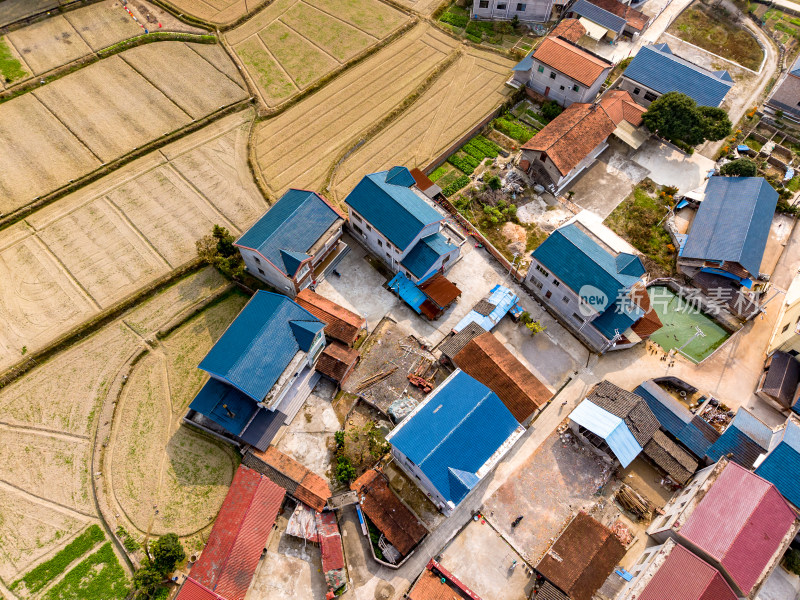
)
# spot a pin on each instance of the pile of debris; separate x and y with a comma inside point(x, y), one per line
point(622, 532)
point(632, 502)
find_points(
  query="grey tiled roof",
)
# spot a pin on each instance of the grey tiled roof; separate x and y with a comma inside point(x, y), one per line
point(629, 407)
point(677, 462)
point(453, 345)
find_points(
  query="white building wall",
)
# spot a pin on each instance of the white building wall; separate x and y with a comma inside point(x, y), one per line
point(639, 91)
point(537, 11)
point(557, 86)
point(414, 472)
point(260, 268)
point(661, 527)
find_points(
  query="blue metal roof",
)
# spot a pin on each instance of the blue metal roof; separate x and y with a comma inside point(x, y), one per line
point(617, 318)
point(502, 298)
point(425, 253)
point(690, 430)
point(657, 68)
point(225, 405)
point(453, 433)
point(781, 467)
point(733, 222)
point(599, 15)
point(260, 343)
point(407, 290)
point(609, 427)
point(526, 64)
point(263, 428)
point(391, 206)
point(795, 70)
point(289, 229)
point(745, 439)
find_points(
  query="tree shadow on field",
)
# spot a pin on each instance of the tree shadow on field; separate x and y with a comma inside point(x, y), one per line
point(198, 461)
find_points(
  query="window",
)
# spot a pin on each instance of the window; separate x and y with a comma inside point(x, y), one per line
point(258, 260)
point(521, 7)
point(484, 4)
point(565, 299)
point(541, 69)
point(369, 228)
point(562, 88)
point(261, 271)
point(358, 229)
point(543, 157)
point(650, 96)
point(577, 317)
point(389, 256)
point(536, 283)
point(556, 282)
point(542, 271)
point(502, 6)
point(356, 217)
point(380, 243)
point(576, 88)
point(785, 328)
point(552, 74)
point(445, 259)
point(636, 91)
point(548, 294)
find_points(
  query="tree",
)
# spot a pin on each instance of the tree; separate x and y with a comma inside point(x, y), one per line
point(677, 118)
point(167, 551)
point(535, 327)
point(550, 110)
point(218, 250)
point(493, 181)
point(741, 167)
point(146, 581)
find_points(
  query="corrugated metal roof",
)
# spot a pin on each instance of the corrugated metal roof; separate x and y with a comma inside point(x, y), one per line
point(425, 253)
point(407, 290)
point(229, 560)
point(263, 428)
point(225, 405)
point(657, 68)
point(290, 228)
point(783, 375)
point(781, 467)
point(740, 522)
point(260, 343)
point(396, 211)
point(330, 542)
point(459, 426)
point(733, 222)
point(599, 15)
point(695, 578)
point(440, 290)
point(502, 298)
point(340, 324)
point(609, 427)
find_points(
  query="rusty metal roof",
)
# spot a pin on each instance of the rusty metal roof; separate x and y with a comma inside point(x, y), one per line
point(440, 290)
point(340, 323)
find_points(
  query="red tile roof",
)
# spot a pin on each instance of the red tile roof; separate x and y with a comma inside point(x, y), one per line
point(312, 489)
point(330, 542)
point(191, 590)
point(379, 503)
point(437, 583)
point(636, 19)
point(740, 522)
point(582, 557)
point(341, 324)
point(694, 577)
point(576, 132)
point(571, 60)
point(569, 29)
point(441, 290)
point(336, 361)
point(239, 535)
point(486, 359)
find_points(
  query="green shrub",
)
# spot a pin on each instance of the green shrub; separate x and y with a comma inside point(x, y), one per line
point(550, 110)
point(791, 560)
point(513, 129)
point(493, 181)
point(475, 39)
point(437, 174)
point(47, 571)
point(742, 167)
point(345, 471)
point(455, 186)
point(456, 20)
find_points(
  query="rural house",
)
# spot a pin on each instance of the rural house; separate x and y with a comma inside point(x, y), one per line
point(295, 243)
point(617, 423)
point(729, 233)
point(608, 20)
point(573, 140)
point(299, 482)
point(670, 566)
point(745, 441)
point(241, 531)
point(453, 439)
point(487, 359)
point(437, 583)
point(782, 465)
point(593, 285)
point(262, 371)
point(580, 560)
point(734, 520)
point(786, 335)
point(536, 11)
point(778, 385)
point(397, 223)
point(786, 95)
point(561, 70)
point(655, 71)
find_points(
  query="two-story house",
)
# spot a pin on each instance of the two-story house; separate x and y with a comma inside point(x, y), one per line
point(295, 243)
point(561, 70)
point(261, 371)
point(397, 223)
point(596, 291)
point(532, 11)
point(608, 20)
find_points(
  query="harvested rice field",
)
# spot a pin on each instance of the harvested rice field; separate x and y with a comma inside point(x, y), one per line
point(461, 98)
point(293, 43)
point(165, 476)
point(48, 425)
point(91, 249)
point(423, 7)
point(72, 126)
point(219, 12)
point(298, 147)
point(61, 39)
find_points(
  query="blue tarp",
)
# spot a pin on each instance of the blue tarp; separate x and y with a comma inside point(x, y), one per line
point(503, 299)
point(743, 148)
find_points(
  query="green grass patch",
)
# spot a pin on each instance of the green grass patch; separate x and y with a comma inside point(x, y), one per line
point(10, 68)
point(793, 184)
point(513, 128)
point(456, 16)
point(451, 174)
point(753, 144)
point(714, 30)
point(437, 174)
point(98, 577)
point(637, 219)
point(43, 574)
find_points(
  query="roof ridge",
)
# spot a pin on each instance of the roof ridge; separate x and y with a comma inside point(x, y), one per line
point(584, 253)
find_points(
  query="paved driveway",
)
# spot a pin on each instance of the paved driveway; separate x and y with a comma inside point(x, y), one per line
point(670, 166)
